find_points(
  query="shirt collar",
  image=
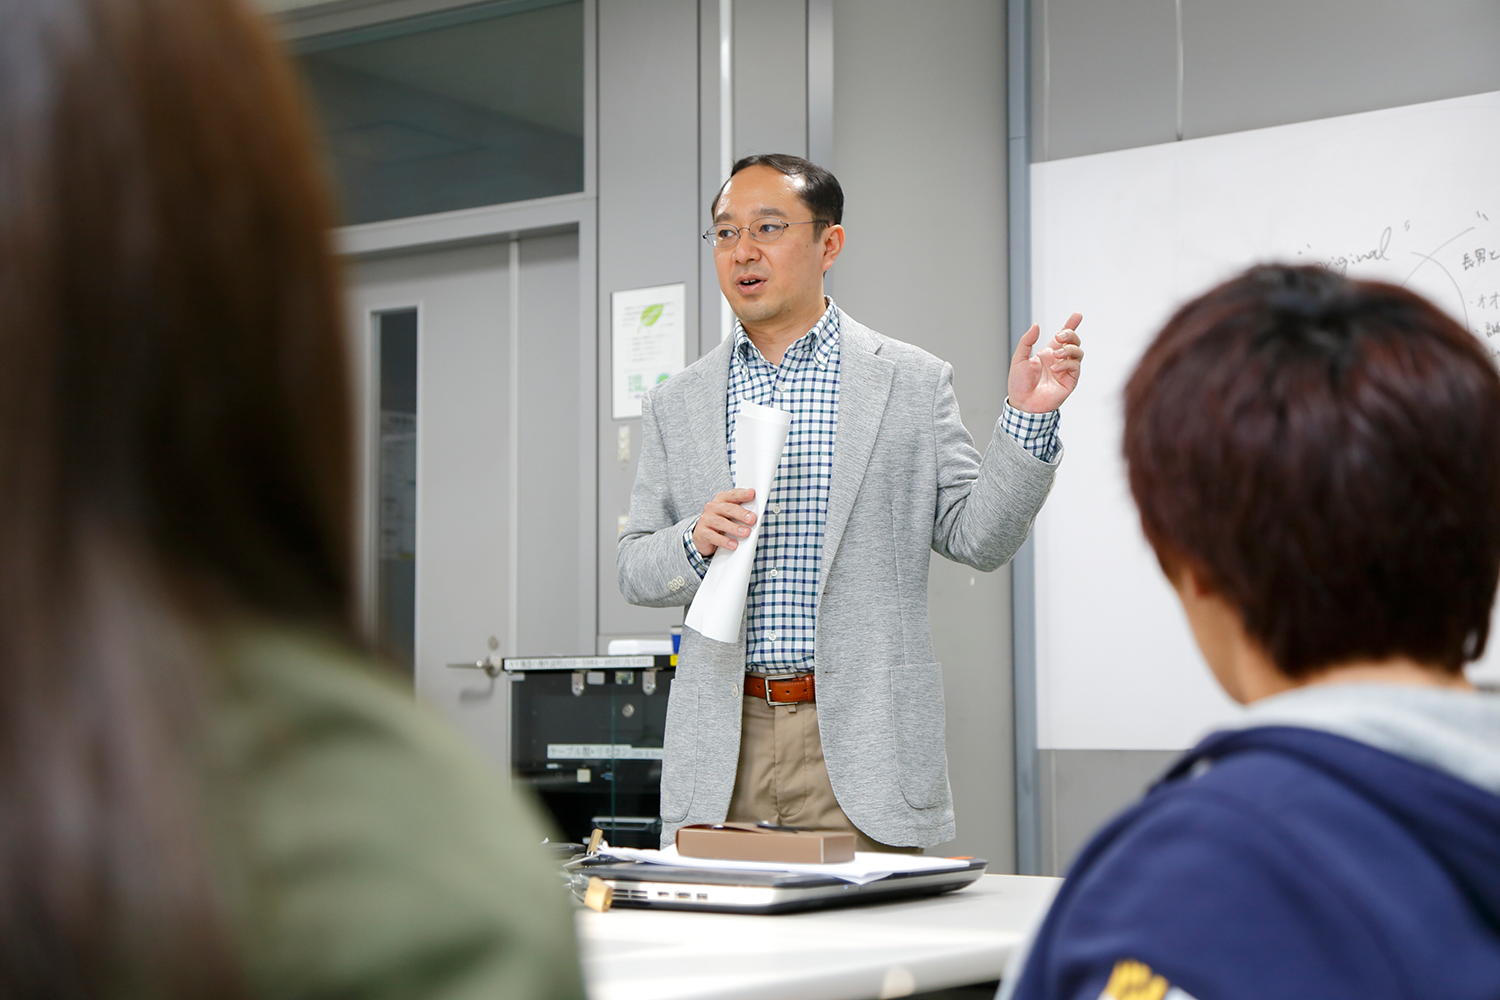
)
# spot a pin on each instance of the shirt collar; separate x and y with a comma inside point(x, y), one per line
point(824, 334)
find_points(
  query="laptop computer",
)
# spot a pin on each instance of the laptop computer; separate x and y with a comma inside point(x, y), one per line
point(666, 887)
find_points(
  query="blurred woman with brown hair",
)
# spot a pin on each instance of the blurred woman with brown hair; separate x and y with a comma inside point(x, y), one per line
point(205, 790)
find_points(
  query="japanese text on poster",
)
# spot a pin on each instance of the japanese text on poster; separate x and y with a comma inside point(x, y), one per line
point(649, 342)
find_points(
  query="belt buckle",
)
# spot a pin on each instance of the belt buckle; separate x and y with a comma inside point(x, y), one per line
point(785, 679)
point(766, 681)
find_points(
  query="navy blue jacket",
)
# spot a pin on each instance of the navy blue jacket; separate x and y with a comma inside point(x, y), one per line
point(1285, 862)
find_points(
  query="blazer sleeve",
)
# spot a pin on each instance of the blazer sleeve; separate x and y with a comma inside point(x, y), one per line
point(650, 559)
point(985, 508)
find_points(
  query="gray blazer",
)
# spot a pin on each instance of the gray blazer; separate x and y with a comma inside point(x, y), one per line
point(906, 477)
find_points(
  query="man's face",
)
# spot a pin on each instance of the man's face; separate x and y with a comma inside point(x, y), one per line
point(781, 280)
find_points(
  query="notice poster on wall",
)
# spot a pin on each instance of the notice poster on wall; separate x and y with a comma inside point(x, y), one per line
point(649, 337)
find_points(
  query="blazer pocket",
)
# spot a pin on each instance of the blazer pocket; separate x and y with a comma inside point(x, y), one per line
point(921, 752)
point(679, 765)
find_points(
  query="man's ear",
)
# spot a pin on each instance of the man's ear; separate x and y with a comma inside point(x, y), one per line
point(1192, 581)
point(832, 242)
point(1177, 570)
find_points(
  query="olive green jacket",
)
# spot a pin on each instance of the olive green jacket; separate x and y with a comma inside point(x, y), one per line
point(366, 851)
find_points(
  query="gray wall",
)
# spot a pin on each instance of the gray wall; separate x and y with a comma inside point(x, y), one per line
point(770, 64)
point(1084, 789)
point(649, 218)
point(919, 147)
point(1104, 77)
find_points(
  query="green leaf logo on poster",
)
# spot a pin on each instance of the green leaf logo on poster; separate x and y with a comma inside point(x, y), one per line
point(651, 314)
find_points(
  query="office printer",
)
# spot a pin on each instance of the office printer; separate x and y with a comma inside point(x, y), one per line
point(586, 736)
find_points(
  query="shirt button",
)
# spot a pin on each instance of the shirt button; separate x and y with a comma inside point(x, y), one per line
point(771, 637)
point(734, 690)
point(775, 572)
point(776, 508)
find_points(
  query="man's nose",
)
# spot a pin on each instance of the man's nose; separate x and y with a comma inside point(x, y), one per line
point(746, 249)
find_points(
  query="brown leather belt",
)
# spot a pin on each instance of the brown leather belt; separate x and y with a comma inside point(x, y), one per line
point(780, 691)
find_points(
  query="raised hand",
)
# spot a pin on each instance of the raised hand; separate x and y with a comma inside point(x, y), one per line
point(1040, 384)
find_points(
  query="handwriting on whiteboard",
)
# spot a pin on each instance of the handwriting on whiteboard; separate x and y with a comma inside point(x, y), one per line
point(1457, 266)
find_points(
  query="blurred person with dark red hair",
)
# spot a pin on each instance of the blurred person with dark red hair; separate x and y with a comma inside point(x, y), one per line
point(206, 789)
point(1316, 461)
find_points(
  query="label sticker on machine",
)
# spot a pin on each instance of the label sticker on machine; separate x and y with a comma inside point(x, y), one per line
point(601, 751)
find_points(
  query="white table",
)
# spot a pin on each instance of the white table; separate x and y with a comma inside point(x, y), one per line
point(890, 949)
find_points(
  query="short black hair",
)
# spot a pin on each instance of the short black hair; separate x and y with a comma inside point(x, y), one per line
point(820, 189)
point(1325, 454)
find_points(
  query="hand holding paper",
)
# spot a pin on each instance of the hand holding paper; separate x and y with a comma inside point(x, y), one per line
point(719, 606)
point(724, 523)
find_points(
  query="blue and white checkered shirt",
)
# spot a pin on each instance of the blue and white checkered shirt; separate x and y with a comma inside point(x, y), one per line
point(779, 610)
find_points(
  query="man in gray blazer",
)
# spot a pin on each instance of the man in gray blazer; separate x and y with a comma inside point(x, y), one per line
point(828, 709)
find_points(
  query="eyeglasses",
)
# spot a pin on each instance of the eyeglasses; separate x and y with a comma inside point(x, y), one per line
point(723, 237)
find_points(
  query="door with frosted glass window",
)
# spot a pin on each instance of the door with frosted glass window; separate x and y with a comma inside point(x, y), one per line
point(472, 397)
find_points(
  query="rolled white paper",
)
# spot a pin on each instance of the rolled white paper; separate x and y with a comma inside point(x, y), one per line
point(719, 606)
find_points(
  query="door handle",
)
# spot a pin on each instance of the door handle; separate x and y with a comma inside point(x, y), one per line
point(490, 665)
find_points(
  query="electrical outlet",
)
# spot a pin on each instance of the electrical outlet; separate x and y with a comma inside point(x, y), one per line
point(624, 446)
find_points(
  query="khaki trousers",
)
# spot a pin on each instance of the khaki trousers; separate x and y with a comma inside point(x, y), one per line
point(782, 777)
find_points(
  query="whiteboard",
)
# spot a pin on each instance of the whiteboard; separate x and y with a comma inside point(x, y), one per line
point(1409, 195)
